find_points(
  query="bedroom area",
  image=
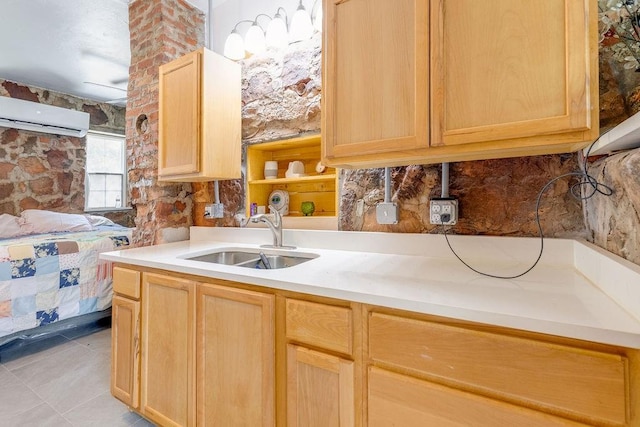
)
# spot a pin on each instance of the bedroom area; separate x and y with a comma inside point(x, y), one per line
point(63, 202)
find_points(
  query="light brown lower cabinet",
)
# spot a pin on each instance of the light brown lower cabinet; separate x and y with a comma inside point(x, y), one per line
point(222, 353)
point(320, 389)
point(125, 352)
point(236, 357)
point(125, 337)
point(168, 350)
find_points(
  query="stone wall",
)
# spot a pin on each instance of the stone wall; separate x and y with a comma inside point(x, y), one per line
point(280, 99)
point(614, 222)
point(45, 171)
point(161, 30)
point(497, 197)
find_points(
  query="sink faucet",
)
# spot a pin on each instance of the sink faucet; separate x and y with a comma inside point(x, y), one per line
point(275, 226)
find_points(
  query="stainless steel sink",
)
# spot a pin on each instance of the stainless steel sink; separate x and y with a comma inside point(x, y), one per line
point(227, 258)
point(275, 261)
point(250, 258)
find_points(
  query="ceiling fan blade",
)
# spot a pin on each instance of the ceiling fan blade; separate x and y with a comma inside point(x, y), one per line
point(107, 86)
point(120, 81)
point(115, 101)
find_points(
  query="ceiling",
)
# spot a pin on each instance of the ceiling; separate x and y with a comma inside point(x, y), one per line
point(78, 47)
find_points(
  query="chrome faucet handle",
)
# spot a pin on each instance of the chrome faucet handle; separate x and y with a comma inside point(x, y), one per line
point(277, 215)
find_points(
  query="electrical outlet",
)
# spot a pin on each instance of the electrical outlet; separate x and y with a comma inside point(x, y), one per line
point(443, 211)
point(387, 213)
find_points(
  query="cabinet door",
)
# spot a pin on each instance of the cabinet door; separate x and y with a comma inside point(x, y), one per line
point(236, 357)
point(375, 83)
point(508, 69)
point(398, 400)
point(179, 116)
point(320, 389)
point(125, 350)
point(168, 350)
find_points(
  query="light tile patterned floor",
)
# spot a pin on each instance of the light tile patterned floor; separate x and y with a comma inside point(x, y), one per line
point(64, 385)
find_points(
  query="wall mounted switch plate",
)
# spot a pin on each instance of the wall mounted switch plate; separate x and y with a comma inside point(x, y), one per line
point(387, 213)
point(215, 210)
point(218, 210)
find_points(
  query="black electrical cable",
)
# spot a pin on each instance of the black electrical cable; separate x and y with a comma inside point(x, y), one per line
point(586, 180)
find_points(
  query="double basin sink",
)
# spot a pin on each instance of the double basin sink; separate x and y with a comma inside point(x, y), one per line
point(253, 258)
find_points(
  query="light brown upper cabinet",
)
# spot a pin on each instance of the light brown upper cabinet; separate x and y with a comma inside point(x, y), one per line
point(199, 132)
point(418, 81)
point(375, 77)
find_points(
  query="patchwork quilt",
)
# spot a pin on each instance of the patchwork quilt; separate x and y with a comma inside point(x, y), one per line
point(51, 277)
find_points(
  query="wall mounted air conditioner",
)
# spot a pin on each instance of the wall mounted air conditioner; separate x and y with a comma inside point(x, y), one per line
point(20, 114)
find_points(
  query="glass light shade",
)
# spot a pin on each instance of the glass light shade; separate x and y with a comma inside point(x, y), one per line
point(277, 33)
point(301, 27)
point(317, 22)
point(234, 46)
point(254, 40)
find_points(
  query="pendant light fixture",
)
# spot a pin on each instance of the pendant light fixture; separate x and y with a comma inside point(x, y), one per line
point(277, 36)
point(234, 45)
point(301, 27)
point(256, 40)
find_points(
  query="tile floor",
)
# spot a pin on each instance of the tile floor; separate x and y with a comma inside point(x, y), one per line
point(64, 384)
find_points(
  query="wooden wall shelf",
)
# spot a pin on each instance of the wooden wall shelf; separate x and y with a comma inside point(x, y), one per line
point(320, 188)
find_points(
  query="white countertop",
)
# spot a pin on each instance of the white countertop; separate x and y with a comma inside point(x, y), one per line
point(577, 290)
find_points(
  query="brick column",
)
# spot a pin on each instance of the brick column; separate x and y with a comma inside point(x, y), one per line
point(160, 31)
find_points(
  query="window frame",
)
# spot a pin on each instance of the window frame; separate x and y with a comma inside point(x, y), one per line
point(124, 204)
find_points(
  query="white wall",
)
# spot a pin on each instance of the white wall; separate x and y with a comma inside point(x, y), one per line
point(227, 14)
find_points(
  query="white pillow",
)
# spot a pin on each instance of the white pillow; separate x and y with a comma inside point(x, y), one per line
point(96, 220)
point(9, 226)
point(33, 221)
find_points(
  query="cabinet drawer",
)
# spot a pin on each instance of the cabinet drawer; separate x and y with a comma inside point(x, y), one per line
point(404, 401)
point(126, 282)
point(572, 381)
point(320, 325)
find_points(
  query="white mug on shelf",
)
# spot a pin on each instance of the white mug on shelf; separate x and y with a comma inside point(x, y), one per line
point(295, 170)
point(270, 169)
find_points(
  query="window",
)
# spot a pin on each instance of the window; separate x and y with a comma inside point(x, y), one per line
point(105, 181)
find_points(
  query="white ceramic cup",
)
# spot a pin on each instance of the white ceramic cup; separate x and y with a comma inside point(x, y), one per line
point(296, 168)
point(270, 169)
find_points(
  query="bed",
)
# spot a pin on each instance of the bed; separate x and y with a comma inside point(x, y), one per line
point(53, 277)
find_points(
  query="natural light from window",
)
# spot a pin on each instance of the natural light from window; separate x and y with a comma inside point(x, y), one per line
point(105, 182)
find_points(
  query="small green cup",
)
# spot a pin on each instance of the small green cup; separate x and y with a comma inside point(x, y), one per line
point(307, 208)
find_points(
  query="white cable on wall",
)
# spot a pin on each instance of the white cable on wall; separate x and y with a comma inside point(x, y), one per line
point(445, 181)
point(387, 185)
point(216, 191)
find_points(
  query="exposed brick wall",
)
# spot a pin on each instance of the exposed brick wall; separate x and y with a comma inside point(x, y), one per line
point(44, 171)
point(161, 30)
